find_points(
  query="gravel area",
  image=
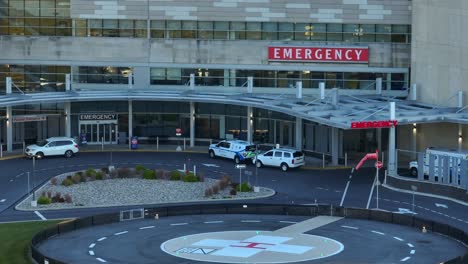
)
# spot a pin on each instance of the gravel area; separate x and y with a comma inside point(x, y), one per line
point(117, 192)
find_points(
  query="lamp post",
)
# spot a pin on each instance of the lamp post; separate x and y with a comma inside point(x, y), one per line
point(414, 189)
point(34, 177)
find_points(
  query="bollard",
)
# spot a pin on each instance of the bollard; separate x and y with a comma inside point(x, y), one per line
point(156, 217)
point(1, 150)
point(323, 160)
point(102, 143)
point(24, 146)
point(424, 230)
point(211, 141)
point(195, 170)
point(157, 143)
point(346, 159)
point(184, 143)
point(185, 167)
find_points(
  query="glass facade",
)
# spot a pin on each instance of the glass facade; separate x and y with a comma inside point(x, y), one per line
point(107, 74)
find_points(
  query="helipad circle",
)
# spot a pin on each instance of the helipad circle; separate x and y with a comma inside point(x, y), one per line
point(252, 247)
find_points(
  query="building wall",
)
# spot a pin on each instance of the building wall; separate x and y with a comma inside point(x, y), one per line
point(135, 52)
point(440, 50)
point(330, 11)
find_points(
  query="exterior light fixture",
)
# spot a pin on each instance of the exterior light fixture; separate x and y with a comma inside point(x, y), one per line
point(414, 125)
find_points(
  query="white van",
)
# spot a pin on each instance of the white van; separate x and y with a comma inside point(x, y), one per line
point(454, 156)
point(237, 150)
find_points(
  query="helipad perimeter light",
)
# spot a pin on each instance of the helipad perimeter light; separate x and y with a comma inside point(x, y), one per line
point(244, 206)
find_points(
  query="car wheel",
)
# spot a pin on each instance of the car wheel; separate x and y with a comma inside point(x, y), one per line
point(236, 160)
point(414, 172)
point(68, 154)
point(212, 154)
point(259, 164)
point(39, 155)
point(284, 167)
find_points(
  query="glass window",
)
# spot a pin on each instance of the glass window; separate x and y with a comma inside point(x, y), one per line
point(126, 28)
point(81, 26)
point(286, 31)
point(157, 74)
point(189, 29)
point(268, 154)
point(140, 29)
point(47, 8)
point(237, 30)
point(221, 30)
point(174, 29)
point(95, 27)
point(47, 26)
point(62, 8)
point(383, 33)
point(367, 33)
point(174, 74)
point(351, 32)
point(32, 7)
point(318, 32)
point(64, 27)
point(270, 31)
point(253, 30)
point(302, 31)
point(205, 30)
point(158, 29)
point(287, 155)
point(335, 32)
point(110, 28)
point(278, 154)
point(32, 26)
point(400, 33)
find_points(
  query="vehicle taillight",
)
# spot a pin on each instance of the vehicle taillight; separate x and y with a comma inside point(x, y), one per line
point(76, 146)
point(292, 161)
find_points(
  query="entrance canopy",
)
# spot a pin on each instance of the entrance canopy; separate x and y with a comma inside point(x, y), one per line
point(334, 110)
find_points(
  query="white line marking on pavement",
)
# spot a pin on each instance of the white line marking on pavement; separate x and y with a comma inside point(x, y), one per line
point(178, 224)
point(92, 245)
point(91, 252)
point(352, 170)
point(288, 222)
point(350, 227)
point(344, 193)
point(405, 259)
point(2, 200)
point(410, 245)
point(441, 205)
point(250, 221)
point(120, 233)
point(11, 180)
point(40, 215)
point(371, 192)
point(397, 238)
point(412, 251)
point(101, 260)
point(146, 227)
point(102, 238)
point(377, 232)
point(213, 222)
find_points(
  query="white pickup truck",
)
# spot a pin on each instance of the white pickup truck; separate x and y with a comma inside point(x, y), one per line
point(455, 157)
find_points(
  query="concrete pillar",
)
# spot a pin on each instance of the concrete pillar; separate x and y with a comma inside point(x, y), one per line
point(460, 99)
point(274, 132)
point(379, 139)
point(192, 81)
point(249, 123)
point(67, 107)
point(250, 84)
point(222, 126)
point(232, 78)
point(392, 169)
point(335, 145)
point(192, 124)
point(299, 136)
point(226, 78)
point(389, 82)
point(335, 96)
point(414, 92)
point(299, 90)
point(142, 77)
point(281, 133)
point(9, 128)
point(67, 82)
point(8, 85)
point(378, 86)
point(130, 122)
point(130, 80)
point(322, 90)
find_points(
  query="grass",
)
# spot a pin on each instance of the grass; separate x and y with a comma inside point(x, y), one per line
point(15, 239)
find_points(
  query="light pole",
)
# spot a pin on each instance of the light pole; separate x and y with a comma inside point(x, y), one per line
point(414, 189)
point(34, 177)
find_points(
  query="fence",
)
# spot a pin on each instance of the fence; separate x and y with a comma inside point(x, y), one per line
point(269, 209)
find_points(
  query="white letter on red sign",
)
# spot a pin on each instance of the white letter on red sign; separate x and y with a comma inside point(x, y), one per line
point(318, 54)
point(298, 54)
point(338, 54)
point(287, 53)
point(276, 53)
point(358, 54)
point(308, 54)
point(347, 55)
point(328, 54)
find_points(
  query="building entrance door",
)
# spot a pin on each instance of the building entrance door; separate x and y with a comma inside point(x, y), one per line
point(98, 132)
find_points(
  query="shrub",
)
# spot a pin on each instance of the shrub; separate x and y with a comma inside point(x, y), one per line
point(57, 198)
point(159, 174)
point(201, 177)
point(166, 175)
point(53, 181)
point(67, 182)
point(43, 200)
point(233, 192)
point(224, 182)
point(68, 198)
point(76, 178)
point(190, 177)
point(140, 168)
point(113, 174)
point(105, 170)
point(244, 187)
point(149, 175)
point(174, 175)
point(208, 192)
point(49, 194)
point(99, 176)
point(90, 172)
point(215, 189)
point(124, 173)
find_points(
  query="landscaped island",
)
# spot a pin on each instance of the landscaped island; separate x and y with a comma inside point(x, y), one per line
point(135, 186)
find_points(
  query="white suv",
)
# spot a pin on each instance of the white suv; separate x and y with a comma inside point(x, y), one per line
point(281, 157)
point(53, 146)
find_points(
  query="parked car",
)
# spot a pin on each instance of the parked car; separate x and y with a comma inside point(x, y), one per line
point(52, 147)
point(281, 157)
point(237, 150)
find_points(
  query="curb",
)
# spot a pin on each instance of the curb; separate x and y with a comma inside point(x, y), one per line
point(425, 194)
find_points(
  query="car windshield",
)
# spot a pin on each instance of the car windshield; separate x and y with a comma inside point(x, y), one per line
point(42, 143)
point(297, 154)
point(250, 148)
